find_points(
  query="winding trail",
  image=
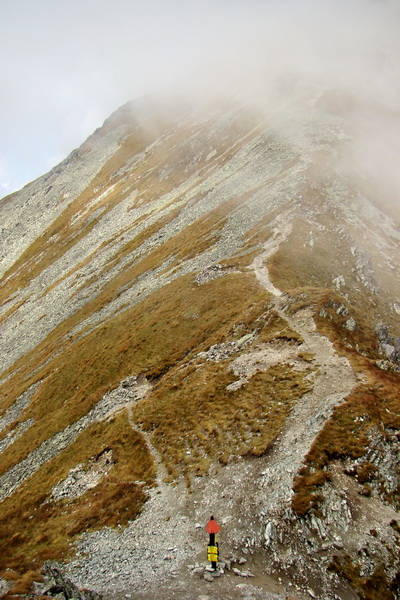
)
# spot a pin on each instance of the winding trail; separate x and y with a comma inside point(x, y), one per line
point(247, 495)
point(161, 471)
point(334, 380)
point(252, 494)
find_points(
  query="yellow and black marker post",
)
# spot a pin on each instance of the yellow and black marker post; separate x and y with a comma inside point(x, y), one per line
point(212, 554)
point(212, 549)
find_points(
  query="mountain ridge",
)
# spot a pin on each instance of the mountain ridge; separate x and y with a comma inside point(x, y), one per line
point(175, 314)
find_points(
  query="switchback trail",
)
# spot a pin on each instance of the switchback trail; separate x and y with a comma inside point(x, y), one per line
point(334, 380)
point(150, 557)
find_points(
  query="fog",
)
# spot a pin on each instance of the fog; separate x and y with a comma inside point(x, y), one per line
point(67, 64)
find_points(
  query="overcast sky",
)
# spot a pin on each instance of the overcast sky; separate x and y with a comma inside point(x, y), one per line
point(67, 64)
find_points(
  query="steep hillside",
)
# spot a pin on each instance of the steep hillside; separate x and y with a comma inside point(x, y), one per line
point(200, 314)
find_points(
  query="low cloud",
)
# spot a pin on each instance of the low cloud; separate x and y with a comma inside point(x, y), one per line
point(70, 64)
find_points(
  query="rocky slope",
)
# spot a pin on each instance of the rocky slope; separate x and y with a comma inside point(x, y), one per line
point(199, 315)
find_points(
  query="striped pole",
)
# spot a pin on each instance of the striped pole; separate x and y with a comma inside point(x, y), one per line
point(212, 529)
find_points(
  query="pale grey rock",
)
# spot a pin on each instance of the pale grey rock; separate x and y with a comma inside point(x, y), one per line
point(64, 585)
point(208, 274)
point(27, 215)
point(5, 586)
point(83, 477)
point(270, 172)
point(339, 282)
point(115, 399)
point(350, 324)
point(269, 534)
point(16, 410)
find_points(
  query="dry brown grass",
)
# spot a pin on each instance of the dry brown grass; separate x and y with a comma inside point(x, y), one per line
point(22, 585)
point(143, 178)
point(192, 417)
point(76, 221)
point(372, 587)
point(372, 407)
point(152, 337)
point(149, 337)
point(34, 527)
point(77, 379)
point(307, 275)
point(195, 420)
point(306, 266)
point(160, 337)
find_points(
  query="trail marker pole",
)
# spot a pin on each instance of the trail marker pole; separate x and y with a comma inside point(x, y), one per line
point(212, 529)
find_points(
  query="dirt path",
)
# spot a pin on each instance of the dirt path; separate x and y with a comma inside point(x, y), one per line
point(334, 380)
point(161, 473)
point(259, 263)
point(247, 495)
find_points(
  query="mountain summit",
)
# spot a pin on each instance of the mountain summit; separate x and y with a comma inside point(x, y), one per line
point(200, 315)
